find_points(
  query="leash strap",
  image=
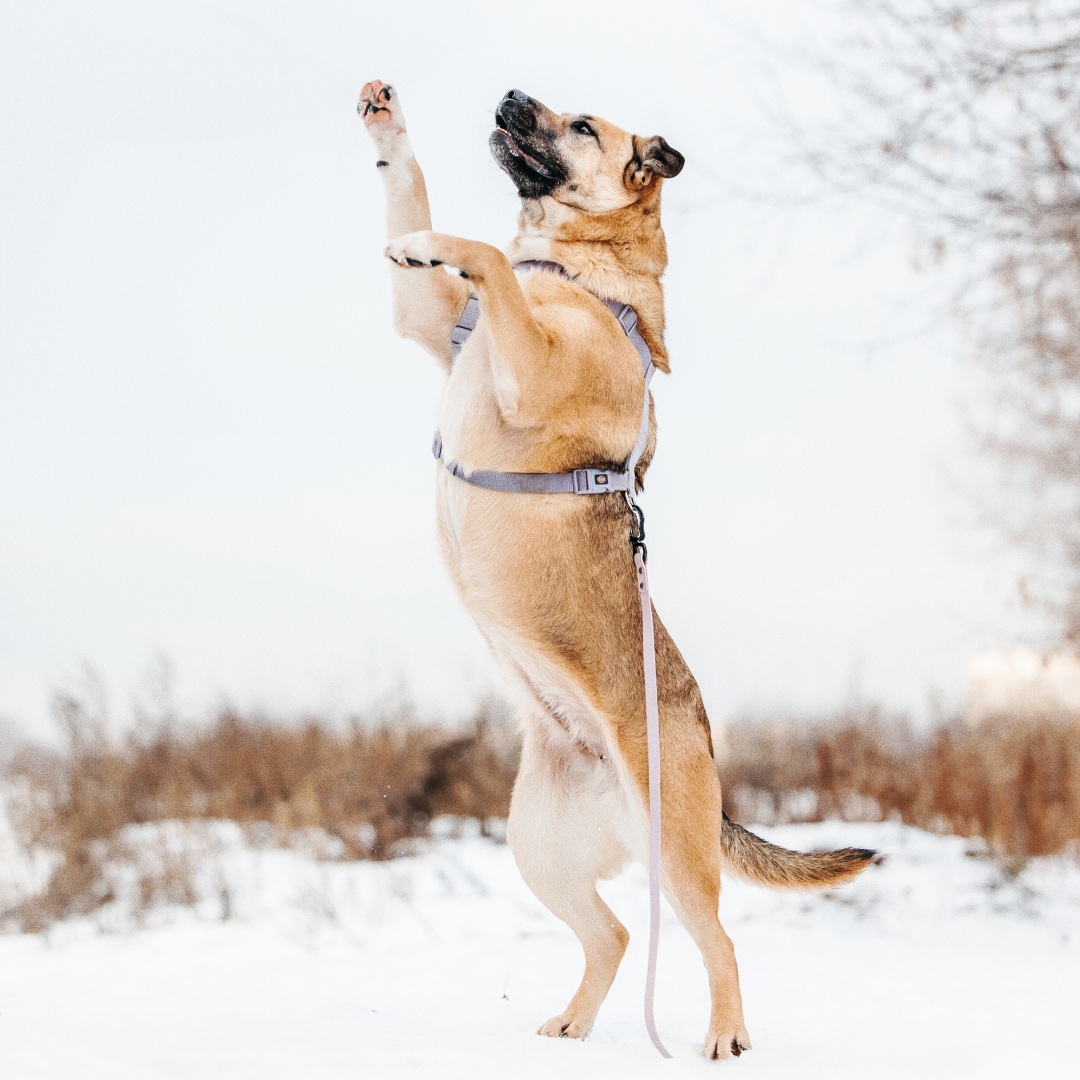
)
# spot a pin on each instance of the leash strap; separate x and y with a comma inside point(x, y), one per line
point(652, 729)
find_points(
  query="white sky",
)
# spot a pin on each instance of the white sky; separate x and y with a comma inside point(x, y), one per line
point(213, 448)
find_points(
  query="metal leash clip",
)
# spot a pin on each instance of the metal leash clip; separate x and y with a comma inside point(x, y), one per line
point(637, 535)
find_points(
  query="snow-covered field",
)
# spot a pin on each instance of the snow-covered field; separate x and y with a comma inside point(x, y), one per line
point(443, 964)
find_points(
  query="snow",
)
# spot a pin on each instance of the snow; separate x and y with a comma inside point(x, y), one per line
point(444, 964)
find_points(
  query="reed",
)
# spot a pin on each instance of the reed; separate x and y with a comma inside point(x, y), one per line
point(1015, 782)
point(371, 789)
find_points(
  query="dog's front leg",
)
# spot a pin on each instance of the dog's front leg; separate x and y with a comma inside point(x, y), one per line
point(524, 350)
point(425, 307)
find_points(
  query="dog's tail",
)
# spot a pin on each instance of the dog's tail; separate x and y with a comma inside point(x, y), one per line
point(761, 863)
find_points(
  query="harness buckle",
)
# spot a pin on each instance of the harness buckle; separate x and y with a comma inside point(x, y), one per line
point(590, 481)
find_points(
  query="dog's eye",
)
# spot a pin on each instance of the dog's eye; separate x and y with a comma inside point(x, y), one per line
point(582, 128)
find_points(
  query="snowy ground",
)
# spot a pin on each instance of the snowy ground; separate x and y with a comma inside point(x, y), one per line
point(443, 964)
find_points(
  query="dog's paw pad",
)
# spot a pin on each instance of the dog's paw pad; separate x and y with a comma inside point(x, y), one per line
point(374, 104)
point(380, 109)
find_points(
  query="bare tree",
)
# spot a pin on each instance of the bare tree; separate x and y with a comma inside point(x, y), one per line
point(964, 117)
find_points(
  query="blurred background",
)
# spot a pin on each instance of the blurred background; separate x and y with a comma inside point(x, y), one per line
point(214, 464)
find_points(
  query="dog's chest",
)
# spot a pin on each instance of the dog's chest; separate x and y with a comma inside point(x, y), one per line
point(476, 523)
point(468, 413)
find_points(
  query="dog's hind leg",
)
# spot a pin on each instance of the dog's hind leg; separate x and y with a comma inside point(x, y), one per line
point(690, 857)
point(426, 306)
point(561, 833)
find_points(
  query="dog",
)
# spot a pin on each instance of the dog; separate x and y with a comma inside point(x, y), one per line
point(549, 382)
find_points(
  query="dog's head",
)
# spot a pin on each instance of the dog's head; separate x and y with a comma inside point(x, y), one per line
point(579, 160)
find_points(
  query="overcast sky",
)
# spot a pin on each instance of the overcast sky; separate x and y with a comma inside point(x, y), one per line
point(213, 448)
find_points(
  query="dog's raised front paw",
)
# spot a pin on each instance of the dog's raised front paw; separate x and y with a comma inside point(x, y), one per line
point(374, 103)
point(380, 109)
point(414, 250)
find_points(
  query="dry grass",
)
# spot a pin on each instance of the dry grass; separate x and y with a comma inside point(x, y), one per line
point(1015, 783)
point(370, 790)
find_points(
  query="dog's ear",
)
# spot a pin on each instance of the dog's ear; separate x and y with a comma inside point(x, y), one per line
point(652, 157)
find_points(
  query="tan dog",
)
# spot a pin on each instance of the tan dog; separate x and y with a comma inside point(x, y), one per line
point(549, 382)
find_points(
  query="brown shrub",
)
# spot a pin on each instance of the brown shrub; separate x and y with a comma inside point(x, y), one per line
point(1016, 783)
point(377, 786)
point(370, 787)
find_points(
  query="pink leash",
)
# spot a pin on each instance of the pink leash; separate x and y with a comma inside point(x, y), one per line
point(652, 728)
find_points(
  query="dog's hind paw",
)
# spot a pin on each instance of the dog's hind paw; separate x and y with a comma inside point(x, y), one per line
point(567, 1026)
point(726, 1044)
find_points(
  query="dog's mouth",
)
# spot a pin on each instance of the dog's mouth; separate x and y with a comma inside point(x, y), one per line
point(524, 151)
point(505, 138)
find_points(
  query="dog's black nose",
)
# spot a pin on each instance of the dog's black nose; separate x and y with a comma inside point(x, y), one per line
point(517, 112)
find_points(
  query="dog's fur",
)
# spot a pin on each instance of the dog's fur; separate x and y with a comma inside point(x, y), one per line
point(549, 382)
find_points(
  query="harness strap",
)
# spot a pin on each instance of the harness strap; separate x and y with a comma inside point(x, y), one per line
point(465, 325)
point(576, 482)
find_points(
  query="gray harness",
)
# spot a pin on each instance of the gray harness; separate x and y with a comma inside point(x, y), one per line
point(599, 482)
point(577, 481)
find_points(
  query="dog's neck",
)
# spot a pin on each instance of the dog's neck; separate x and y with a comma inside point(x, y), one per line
point(618, 256)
